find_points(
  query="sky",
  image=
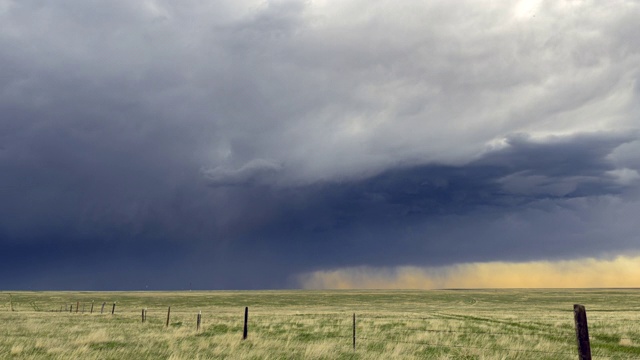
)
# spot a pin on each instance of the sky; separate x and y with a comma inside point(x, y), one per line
point(244, 144)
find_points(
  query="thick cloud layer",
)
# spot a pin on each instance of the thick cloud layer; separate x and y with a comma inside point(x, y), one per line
point(235, 144)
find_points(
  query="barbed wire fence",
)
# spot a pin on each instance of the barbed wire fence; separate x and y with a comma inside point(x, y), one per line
point(377, 332)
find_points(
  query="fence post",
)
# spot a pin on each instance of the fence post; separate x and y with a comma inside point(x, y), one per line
point(199, 319)
point(71, 308)
point(246, 319)
point(77, 306)
point(143, 315)
point(91, 312)
point(113, 309)
point(582, 332)
point(102, 308)
point(168, 315)
point(354, 331)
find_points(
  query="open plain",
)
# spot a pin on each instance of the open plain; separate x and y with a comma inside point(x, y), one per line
point(437, 324)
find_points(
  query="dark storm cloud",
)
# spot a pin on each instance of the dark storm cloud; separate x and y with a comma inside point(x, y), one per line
point(402, 215)
point(276, 137)
point(441, 214)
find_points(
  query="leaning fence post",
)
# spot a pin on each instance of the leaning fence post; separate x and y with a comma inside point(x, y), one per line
point(582, 332)
point(354, 331)
point(102, 308)
point(168, 315)
point(199, 319)
point(113, 309)
point(246, 319)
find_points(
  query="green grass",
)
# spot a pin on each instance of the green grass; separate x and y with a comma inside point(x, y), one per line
point(440, 324)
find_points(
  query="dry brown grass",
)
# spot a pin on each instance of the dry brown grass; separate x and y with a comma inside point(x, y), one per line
point(488, 324)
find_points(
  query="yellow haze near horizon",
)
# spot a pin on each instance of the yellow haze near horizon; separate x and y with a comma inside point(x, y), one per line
point(622, 271)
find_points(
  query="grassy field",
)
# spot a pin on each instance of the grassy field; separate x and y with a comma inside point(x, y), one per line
point(440, 324)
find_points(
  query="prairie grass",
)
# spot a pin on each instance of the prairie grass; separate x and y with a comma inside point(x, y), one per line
point(438, 324)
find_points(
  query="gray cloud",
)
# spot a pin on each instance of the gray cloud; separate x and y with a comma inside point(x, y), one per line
point(255, 170)
point(310, 130)
point(323, 92)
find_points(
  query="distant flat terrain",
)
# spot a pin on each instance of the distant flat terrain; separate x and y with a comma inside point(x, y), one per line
point(436, 324)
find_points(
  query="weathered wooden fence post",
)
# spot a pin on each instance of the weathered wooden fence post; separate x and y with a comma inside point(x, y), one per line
point(198, 321)
point(246, 319)
point(168, 315)
point(91, 312)
point(10, 302)
point(582, 332)
point(354, 331)
point(113, 309)
point(77, 306)
point(71, 308)
point(143, 315)
point(102, 308)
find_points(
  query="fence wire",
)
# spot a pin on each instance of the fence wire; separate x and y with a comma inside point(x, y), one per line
point(342, 321)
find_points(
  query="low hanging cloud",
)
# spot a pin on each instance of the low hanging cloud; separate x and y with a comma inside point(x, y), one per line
point(255, 171)
point(622, 271)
